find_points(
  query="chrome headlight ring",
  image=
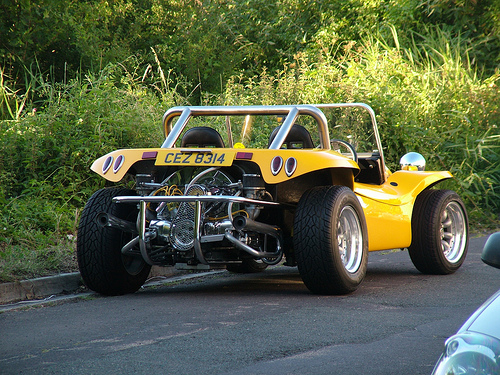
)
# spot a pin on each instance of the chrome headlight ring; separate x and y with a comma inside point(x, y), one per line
point(469, 353)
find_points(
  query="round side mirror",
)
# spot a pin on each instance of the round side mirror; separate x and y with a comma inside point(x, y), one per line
point(491, 251)
point(412, 161)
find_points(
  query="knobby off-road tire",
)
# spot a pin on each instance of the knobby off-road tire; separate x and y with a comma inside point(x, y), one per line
point(102, 266)
point(439, 232)
point(330, 240)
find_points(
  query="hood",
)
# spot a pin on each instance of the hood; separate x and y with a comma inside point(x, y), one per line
point(486, 319)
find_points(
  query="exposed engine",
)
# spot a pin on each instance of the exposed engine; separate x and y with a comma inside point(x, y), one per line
point(222, 232)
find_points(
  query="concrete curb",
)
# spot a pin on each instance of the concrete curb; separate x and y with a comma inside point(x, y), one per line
point(42, 287)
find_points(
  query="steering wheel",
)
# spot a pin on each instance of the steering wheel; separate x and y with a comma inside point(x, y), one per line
point(336, 143)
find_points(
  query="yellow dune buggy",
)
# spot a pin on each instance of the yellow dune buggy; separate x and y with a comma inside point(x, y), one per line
point(247, 187)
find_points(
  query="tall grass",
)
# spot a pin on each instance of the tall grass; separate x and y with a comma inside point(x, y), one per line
point(12, 104)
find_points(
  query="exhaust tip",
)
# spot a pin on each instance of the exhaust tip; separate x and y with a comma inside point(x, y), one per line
point(102, 219)
point(239, 222)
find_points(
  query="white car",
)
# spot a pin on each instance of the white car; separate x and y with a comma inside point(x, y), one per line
point(475, 348)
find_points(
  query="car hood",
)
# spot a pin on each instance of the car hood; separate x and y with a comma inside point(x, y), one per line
point(486, 319)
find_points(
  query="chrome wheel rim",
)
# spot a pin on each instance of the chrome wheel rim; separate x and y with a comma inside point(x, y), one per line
point(453, 232)
point(350, 239)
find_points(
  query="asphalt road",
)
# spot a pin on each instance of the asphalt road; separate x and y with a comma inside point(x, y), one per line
point(396, 323)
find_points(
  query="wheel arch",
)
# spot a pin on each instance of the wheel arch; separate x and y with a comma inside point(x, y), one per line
point(402, 187)
point(426, 188)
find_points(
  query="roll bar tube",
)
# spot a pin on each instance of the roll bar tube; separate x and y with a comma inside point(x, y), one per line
point(373, 118)
point(291, 112)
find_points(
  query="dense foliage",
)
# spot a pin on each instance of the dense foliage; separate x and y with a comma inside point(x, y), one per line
point(208, 41)
point(80, 78)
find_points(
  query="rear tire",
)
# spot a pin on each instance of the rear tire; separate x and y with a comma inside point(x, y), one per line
point(330, 240)
point(103, 267)
point(439, 232)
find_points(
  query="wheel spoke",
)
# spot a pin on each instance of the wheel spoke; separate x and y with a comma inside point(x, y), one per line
point(447, 223)
point(446, 248)
point(453, 232)
point(448, 235)
point(348, 239)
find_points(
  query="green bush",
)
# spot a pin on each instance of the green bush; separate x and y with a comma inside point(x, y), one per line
point(207, 42)
point(45, 178)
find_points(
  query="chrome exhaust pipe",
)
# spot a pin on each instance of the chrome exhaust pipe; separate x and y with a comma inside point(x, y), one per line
point(243, 223)
point(106, 220)
point(256, 253)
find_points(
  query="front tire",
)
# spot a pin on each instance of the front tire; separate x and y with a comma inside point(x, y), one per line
point(103, 267)
point(330, 240)
point(439, 232)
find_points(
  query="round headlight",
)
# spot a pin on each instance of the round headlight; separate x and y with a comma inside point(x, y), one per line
point(469, 353)
point(276, 165)
point(412, 161)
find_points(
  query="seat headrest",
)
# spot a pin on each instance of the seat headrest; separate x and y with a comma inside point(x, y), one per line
point(298, 137)
point(201, 136)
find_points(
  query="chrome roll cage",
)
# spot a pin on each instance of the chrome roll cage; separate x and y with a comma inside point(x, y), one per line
point(290, 112)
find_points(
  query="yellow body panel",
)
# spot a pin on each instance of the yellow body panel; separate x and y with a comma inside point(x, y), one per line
point(389, 227)
point(388, 207)
point(401, 187)
point(307, 161)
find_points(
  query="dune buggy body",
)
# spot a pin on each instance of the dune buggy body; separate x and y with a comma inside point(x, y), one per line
point(307, 188)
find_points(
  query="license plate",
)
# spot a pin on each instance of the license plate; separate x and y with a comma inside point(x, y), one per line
point(205, 157)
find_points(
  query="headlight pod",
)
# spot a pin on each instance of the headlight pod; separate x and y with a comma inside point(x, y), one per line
point(277, 164)
point(469, 354)
point(107, 164)
point(118, 163)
